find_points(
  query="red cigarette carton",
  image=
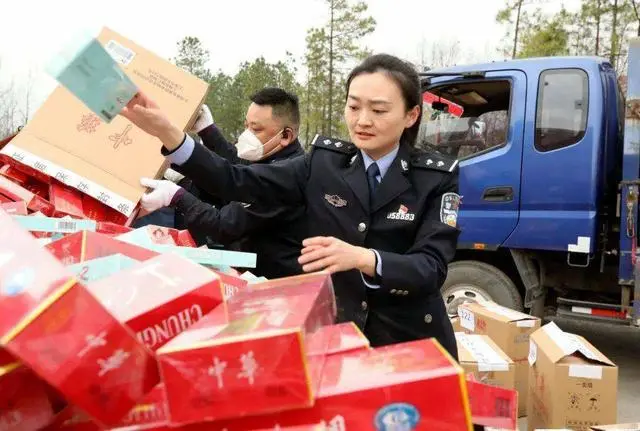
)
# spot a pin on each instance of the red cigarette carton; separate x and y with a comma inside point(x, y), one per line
point(54, 326)
point(407, 386)
point(14, 208)
point(160, 297)
point(231, 284)
point(95, 210)
point(111, 229)
point(150, 413)
point(253, 347)
point(86, 245)
point(343, 337)
point(492, 406)
point(17, 193)
point(24, 400)
point(66, 200)
point(14, 174)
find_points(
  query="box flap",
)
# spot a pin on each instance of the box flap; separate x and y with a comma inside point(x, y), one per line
point(506, 314)
point(481, 350)
point(620, 427)
point(559, 344)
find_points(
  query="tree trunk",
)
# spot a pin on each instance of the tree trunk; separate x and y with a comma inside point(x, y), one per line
point(598, 15)
point(635, 10)
point(515, 37)
point(614, 42)
point(307, 132)
point(330, 114)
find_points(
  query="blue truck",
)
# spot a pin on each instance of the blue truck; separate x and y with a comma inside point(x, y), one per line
point(549, 153)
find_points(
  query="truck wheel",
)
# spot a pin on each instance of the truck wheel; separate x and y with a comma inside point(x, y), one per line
point(473, 281)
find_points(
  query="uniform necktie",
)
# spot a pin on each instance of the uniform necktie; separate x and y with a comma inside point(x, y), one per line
point(372, 172)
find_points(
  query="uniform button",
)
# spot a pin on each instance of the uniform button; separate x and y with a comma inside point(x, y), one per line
point(364, 305)
point(428, 318)
point(362, 227)
point(405, 293)
point(393, 291)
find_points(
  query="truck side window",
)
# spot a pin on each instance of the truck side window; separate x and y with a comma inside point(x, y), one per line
point(563, 102)
point(474, 121)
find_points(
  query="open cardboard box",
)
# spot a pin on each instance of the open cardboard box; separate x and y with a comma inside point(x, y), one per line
point(66, 141)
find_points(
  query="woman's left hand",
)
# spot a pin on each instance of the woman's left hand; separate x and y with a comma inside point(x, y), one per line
point(332, 255)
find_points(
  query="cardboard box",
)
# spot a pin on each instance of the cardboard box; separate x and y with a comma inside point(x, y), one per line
point(408, 386)
point(54, 326)
point(619, 427)
point(510, 330)
point(160, 297)
point(24, 400)
point(82, 246)
point(479, 355)
point(492, 407)
point(455, 322)
point(255, 346)
point(66, 141)
point(571, 384)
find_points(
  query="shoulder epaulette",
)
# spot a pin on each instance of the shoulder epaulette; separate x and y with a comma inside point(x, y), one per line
point(435, 161)
point(333, 144)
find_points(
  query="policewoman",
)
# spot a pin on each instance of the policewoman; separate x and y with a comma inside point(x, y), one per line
point(381, 215)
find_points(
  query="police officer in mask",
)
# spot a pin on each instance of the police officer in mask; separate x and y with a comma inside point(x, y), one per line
point(275, 235)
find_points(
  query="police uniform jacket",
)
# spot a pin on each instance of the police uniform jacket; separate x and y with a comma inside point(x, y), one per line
point(410, 222)
point(274, 233)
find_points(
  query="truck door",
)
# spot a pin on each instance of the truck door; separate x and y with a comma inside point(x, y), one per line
point(562, 163)
point(487, 140)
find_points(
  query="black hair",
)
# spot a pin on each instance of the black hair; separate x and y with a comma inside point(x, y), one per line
point(406, 76)
point(285, 105)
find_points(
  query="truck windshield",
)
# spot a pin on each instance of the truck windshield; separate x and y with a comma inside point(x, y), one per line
point(472, 117)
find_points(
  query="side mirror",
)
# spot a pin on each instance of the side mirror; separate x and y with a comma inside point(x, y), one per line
point(478, 129)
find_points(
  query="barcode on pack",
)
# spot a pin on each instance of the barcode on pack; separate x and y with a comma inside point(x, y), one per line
point(66, 226)
point(119, 53)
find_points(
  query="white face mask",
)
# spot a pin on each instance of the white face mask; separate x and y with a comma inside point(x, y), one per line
point(250, 148)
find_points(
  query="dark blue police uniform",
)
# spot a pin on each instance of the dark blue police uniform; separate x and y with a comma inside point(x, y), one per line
point(409, 222)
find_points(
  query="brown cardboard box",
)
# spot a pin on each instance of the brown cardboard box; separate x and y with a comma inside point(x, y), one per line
point(455, 322)
point(619, 427)
point(510, 330)
point(479, 355)
point(64, 140)
point(571, 383)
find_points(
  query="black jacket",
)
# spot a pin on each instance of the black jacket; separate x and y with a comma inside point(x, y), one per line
point(275, 235)
point(405, 224)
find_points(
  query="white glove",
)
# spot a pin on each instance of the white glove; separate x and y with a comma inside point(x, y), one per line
point(161, 196)
point(204, 120)
point(173, 176)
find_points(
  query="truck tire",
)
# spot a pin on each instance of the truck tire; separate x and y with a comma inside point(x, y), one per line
point(474, 281)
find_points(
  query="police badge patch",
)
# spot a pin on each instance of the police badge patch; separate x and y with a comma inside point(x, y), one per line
point(335, 200)
point(449, 209)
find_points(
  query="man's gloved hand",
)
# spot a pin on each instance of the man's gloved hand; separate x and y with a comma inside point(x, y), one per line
point(161, 196)
point(204, 120)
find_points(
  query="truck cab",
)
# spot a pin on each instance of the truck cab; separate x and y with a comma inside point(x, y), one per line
point(545, 223)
